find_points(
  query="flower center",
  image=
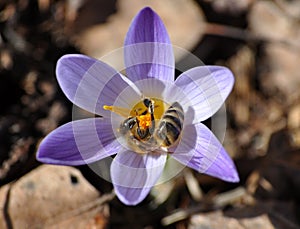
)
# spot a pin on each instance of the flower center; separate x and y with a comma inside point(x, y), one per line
point(140, 127)
point(140, 111)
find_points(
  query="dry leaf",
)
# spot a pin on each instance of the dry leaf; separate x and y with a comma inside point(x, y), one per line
point(230, 6)
point(183, 18)
point(283, 72)
point(268, 21)
point(216, 220)
point(50, 197)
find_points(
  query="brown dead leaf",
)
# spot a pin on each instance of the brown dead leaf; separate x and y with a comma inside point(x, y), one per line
point(283, 72)
point(268, 21)
point(294, 117)
point(295, 135)
point(183, 18)
point(216, 220)
point(280, 63)
point(231, 6)
point(242, 65)
point(292, 8)
point(51, 197)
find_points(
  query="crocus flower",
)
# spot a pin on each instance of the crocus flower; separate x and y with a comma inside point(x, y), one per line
point(100, 89)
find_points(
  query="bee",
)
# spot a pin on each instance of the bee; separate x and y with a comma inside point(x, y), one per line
point(170, 125)
point(155, 134)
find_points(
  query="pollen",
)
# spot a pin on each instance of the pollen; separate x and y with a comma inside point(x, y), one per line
point(144, 121)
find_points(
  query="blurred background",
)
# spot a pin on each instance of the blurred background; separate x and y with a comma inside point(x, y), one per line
point(259, 40)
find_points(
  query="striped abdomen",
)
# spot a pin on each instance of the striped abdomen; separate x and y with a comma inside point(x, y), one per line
point(170, 125)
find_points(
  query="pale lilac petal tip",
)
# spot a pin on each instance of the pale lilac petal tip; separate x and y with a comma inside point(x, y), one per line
point(147, 27)
point(131, 196)
point(206, 88)
point(89, 83)
point(202, 151)
point(78, 142)
point(147, 49)
point(133, 175)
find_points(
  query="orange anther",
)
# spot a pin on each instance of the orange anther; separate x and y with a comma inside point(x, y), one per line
point(144, 121)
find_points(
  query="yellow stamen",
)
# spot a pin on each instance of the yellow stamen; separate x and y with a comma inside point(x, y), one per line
point(139, 109)
point(118, 110)
point(109, 108)
point(144, 121)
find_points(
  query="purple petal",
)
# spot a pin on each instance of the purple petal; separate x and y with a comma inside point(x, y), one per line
point(202, 151)
point(147, 50)
point(205, 89)
point(79, 142)
point(90, 83)
point(133, 175)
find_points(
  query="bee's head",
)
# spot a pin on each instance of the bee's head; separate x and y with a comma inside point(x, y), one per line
point(147, 102)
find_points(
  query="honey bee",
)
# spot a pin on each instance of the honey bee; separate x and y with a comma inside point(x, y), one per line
point(146, 134)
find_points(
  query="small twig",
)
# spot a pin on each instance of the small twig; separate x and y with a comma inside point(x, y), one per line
point(193, 185)
point(219, 201)
point(175, 217)
point(6, 216)
point(229, 31)
point(229, 197)
point(244, 35)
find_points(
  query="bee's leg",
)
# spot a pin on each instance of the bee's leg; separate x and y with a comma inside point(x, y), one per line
point(127, 125)
point(151, 111)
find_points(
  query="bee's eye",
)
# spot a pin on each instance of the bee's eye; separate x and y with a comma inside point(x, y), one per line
point(147, 102)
